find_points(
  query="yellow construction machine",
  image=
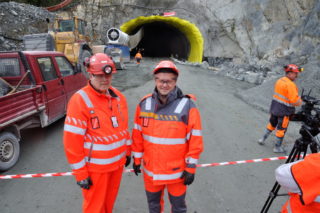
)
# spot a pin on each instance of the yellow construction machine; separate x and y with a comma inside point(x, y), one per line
point(66, 35)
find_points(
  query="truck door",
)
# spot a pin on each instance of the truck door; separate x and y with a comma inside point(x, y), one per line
point(53, 88)
point(73, 81)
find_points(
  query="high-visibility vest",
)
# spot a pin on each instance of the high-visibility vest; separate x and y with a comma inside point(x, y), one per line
point(307, 175)
point(168, 138)
point(285, 97)
point(96, 137)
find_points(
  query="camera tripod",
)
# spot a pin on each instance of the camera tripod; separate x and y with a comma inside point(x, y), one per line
point(299, 150)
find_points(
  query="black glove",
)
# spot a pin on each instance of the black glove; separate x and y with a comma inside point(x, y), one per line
point(188, 177)
point(136, 168)
point(85, 184)
point(128, 160)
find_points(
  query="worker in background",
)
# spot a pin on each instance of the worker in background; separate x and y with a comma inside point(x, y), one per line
point(285, 99)
point(166, 140)
point(96, 138)
point(138, 57)
point(302, 180)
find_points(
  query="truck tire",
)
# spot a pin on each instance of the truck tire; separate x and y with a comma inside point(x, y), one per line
point(84, 54)
point(9, 150)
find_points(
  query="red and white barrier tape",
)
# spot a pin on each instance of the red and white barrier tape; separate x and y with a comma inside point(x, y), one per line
point(241, 161)
point(58, 174)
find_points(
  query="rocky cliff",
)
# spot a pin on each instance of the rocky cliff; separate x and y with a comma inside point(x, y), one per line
point(247, 40)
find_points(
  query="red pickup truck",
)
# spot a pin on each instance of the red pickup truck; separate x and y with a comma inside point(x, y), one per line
point(35, 87)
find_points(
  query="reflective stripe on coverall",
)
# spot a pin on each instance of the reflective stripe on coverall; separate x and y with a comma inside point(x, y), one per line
point(169, 140)
point(306, 175)
point(285, 99)
point(96, 127)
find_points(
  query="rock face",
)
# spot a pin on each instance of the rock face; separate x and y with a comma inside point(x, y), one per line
point(266, 31)
point(259, 36)
point(20, 19)
point(246, 40)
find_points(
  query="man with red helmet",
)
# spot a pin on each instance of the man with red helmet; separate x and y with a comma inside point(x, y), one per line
point(285, 99)
point(96, 138)
point(167, 140)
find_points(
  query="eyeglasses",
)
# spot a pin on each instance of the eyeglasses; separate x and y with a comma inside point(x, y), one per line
point(168, 82)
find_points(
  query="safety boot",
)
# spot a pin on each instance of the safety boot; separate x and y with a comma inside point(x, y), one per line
point(278, 148)
point(265, 136)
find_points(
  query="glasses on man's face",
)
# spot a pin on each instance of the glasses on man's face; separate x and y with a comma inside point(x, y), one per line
point(163, 82)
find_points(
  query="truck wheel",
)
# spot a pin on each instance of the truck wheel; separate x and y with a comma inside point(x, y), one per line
point(9, 150)
point(84, 54)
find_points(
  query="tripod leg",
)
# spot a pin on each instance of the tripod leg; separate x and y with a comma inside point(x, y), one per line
point(314, 148)
point(276, 187)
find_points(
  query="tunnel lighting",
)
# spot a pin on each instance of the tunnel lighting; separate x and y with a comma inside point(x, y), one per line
point(190, 30)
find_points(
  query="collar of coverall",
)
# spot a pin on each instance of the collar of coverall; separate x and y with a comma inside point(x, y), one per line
point(173, 95)
point(99, 93)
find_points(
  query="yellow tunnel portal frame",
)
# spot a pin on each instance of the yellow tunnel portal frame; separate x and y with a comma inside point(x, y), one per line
point(190, 30)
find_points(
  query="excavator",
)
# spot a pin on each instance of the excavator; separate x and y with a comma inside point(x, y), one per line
point(66, 35)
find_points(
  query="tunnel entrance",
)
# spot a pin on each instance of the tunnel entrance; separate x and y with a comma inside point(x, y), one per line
point(167, 36)
point(162, 40)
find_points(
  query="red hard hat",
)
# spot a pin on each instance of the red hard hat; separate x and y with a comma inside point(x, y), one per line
point(100, 63)
point(166, 65)
point(292, 68)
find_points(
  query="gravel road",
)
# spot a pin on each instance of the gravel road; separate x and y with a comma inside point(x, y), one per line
point(230, 129)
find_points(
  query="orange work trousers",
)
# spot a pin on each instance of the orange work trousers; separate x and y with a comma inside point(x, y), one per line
point(176, 193)
point(101, 196)
point(279, 122)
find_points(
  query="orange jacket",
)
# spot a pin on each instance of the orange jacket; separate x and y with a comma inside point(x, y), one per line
point(167, 137)
point(285, 97)
point(138, 55)
point(99, 123)
point(307, 176)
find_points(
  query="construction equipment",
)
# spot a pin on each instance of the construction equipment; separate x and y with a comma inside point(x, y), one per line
point(119, 45)
point(66, 35)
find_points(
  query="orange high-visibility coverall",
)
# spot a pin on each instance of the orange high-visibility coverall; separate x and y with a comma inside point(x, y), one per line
point(285, 99)
point(138, 57)
point(306, 175)
point(96, 141)
point(169, 140)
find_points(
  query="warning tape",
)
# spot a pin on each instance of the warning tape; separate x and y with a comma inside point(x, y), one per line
point(242, 161)
point(59, 174)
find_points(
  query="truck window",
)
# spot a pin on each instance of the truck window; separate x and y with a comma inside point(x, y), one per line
point(47, 70)
point(64, 65)
point(9, 67)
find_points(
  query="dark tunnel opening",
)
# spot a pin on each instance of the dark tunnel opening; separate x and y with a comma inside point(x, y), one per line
point(163, 40)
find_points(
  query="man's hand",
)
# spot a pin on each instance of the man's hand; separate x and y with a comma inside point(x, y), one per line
point(188, 177)
point(136, 168)
point(85, 184)
point(128, 160)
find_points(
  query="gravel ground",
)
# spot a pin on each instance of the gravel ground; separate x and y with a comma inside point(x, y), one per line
point(230, 129)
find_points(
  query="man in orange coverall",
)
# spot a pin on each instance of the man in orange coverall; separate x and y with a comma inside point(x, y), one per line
point(167, 139)
point(96, 138)
point(138, 57)
point(284, 101)
point(302, 180)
